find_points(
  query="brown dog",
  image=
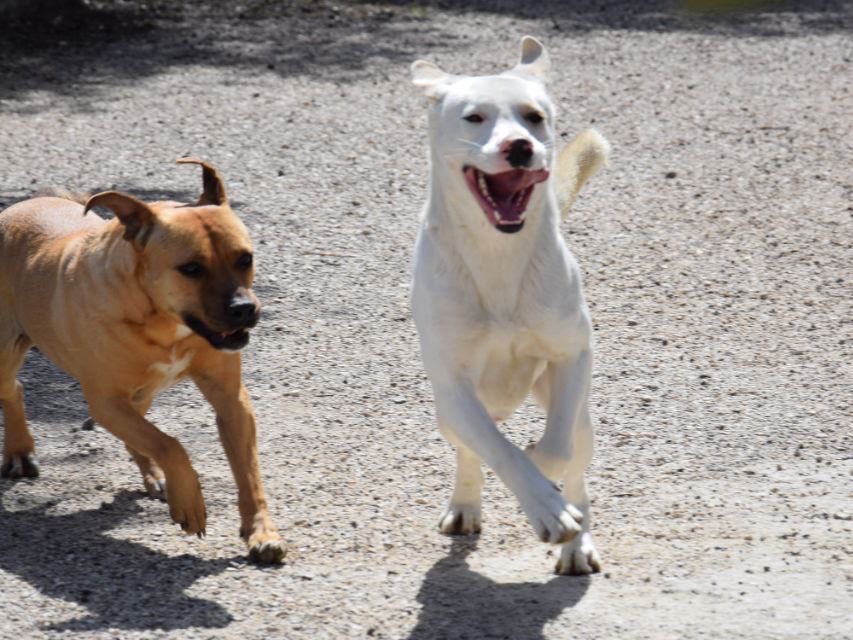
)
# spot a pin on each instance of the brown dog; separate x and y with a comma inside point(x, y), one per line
point(129, 306)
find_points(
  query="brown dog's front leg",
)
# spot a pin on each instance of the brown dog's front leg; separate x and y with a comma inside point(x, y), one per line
point(218, 378)
point(183, 491)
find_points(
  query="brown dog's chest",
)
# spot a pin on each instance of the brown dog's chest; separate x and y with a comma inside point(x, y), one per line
point(164, 373)
point(167, 359)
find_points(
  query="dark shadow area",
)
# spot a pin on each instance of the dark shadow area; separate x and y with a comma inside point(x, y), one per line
point(461, 604)
point(107, 42)
point(51, 395)
point(91, 48)
point(730, 17)
point(124, 585)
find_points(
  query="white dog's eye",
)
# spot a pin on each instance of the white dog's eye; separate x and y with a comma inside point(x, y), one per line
point(476, 118)
point(534, 117)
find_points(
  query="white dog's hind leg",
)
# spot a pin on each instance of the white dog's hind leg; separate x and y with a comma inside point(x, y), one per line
point(463, 514)
point(562, 390)
point(579, 556)
point(565, 451)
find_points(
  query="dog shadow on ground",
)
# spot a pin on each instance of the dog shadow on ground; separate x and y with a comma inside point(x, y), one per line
point(124, 585)
point(51, 396)
point(86, 48)
point(459, 603)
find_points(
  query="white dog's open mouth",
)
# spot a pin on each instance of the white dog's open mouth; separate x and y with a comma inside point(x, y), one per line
point(504, 196)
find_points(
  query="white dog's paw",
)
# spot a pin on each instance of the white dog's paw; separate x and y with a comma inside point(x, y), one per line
point(460, 520)
point(579, 557)
point(553, 519)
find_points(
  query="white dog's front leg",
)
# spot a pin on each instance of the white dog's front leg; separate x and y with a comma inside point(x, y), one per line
point(464, 416)
point(463, 514)
point(565, 450)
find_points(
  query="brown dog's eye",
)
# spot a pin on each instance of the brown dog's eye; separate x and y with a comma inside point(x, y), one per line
point(191, 270)
point(476, 118)
point(244, 261)
point(534, 117)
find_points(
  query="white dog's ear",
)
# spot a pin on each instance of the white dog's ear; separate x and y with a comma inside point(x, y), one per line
point(430, 78)
point(534, 59)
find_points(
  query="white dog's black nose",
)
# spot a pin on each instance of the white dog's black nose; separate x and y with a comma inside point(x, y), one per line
point(519, 153)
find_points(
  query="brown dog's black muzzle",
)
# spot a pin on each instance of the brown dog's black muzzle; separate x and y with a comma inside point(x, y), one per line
point(242, 311)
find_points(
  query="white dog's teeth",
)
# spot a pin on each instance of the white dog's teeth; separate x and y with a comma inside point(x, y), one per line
point(484, 190)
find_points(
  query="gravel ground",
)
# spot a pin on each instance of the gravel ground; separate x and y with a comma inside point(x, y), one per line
point(717, 254)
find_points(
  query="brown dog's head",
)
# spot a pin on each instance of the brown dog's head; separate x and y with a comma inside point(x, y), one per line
point(194, 261)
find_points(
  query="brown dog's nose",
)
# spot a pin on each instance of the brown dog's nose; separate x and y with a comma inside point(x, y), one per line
point(519, 152)
point(243, 312)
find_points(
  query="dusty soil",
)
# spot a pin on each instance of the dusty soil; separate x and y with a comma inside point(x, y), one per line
point(718, 262)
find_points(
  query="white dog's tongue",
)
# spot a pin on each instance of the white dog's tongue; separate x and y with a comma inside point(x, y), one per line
point(509, 190)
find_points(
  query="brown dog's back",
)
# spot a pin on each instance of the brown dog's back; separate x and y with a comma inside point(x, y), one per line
point(29, 227)
point(43, 219)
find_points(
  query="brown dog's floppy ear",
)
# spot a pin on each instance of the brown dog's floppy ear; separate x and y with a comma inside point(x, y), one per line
point(534, 59)
point(135, 215)
point(214, 188)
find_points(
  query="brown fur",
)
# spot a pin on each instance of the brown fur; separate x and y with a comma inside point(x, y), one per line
point(104, 300)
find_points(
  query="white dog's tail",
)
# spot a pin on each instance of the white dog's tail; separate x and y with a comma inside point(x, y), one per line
point(578, 162)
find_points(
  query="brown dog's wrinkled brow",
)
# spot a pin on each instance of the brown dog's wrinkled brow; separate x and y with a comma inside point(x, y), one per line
point(214, 187)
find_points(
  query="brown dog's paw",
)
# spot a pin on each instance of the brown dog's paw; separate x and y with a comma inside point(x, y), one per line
point(20, 466)
point(186, 505)
point(155, 487)
point(267, 552)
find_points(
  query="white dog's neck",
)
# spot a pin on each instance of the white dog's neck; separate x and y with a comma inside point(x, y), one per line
point(495, 262)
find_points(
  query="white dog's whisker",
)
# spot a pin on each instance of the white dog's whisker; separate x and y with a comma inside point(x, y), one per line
point(470, 142)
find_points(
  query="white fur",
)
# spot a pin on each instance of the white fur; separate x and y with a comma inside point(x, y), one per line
point(171, 371)
point(502, 315)
point(182, 331)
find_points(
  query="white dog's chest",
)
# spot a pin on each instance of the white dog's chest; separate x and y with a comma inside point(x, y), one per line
point(505, 379)
point(504, 363)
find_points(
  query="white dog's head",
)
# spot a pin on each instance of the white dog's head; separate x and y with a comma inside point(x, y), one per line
point(495, 133)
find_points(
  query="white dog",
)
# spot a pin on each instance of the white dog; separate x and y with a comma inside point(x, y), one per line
point(497, 296)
